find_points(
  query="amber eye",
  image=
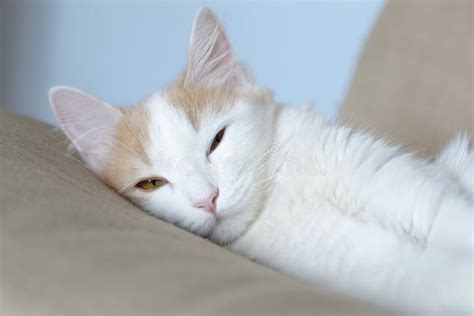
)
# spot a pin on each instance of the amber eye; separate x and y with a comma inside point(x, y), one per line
point(151, 184)
point(217, 140)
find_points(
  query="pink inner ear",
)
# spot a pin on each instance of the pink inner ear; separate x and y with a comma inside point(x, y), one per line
point(87, 121)
point(211, 60)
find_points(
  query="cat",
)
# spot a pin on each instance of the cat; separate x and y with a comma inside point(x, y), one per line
point(215, 154)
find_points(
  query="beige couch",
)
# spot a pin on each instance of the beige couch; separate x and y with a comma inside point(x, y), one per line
point(71, 246)
point(414, 79)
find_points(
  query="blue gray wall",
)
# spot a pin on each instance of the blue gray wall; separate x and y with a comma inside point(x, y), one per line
point(123, 50)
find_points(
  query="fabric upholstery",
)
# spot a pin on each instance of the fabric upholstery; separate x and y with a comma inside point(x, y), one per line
point(414, 83)
point(71, 246)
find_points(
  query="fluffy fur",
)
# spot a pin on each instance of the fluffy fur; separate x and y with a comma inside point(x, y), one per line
point(297, 193)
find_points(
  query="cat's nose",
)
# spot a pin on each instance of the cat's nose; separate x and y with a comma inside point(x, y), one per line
point(208, 203)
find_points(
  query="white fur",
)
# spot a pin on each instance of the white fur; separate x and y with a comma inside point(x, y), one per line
point(321, 202)
point(458, 159)
point(318, 201)
point(364, 218)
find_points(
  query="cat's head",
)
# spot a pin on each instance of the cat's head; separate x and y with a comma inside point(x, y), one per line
point(194, 152)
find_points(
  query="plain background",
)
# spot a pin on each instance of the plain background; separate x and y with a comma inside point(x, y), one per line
point(121, 51)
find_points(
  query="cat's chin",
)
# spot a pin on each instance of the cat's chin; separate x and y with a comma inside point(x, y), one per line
point(229, 228)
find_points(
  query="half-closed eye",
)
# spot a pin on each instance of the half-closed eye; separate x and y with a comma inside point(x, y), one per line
point(217, 140)
point(151, 184)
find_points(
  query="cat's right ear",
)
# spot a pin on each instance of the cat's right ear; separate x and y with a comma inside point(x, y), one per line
point(211, 60)
point(88, 122)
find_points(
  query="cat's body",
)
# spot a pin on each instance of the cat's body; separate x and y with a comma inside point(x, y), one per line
point(350, 208)
point(214, 154)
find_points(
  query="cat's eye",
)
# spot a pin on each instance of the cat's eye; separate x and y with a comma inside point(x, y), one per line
point(151, 184)
point(217, 140)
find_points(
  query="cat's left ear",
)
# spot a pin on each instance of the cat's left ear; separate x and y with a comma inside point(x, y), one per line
point(211, 60)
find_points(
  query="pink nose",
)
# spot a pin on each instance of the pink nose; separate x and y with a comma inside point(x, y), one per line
point(208, 203)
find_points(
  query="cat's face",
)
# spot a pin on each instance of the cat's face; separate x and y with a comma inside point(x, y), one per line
point(194, 153)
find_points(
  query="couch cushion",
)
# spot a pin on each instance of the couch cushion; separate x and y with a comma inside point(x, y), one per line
point(71, 246)
point(414, 79)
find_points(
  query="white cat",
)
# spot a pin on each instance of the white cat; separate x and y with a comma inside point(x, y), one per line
point(214, 154)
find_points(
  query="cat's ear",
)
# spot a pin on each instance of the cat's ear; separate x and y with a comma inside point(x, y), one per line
point(211, 60)
point(88, 122)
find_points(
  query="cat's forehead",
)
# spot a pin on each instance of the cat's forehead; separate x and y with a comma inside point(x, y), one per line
point(198, 101)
